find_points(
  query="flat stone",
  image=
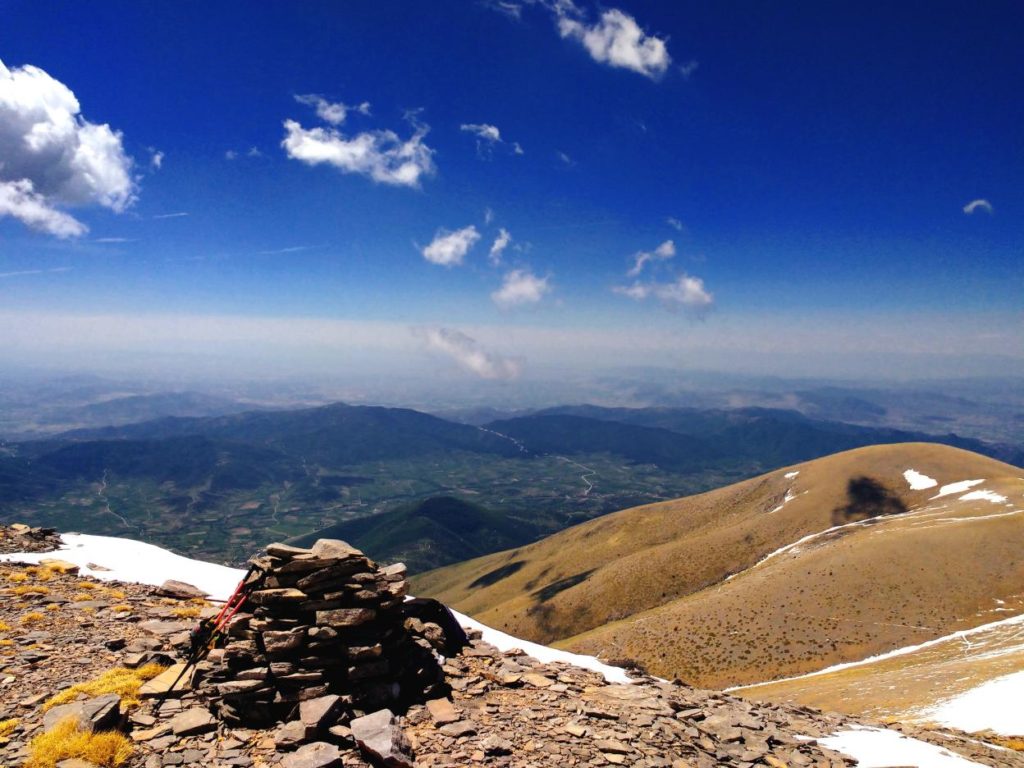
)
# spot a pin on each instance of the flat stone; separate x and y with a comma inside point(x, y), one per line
point(179, 589)
point(345, 617)
point(459, 728)
point(100, 713)
point(76, 762)
point(319, 754)
point(538, 680)
point(381, 741)
point(334, 548)
point(193, 721)
point(291, 735)
point(160, 627)
point(277, 596)
point(161, 684)
point(285, 551)
point(319, 712)
point(442, 712)
point(60, 565)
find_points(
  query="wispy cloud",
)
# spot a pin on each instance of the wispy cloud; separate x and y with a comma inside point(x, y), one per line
point(54, 157)
point(333, 112)
point(616, 40)
point(450, 248)
point(177, 215)
point(565, 158)
point(156, 159)
point(24, 272)
point(499, 245)
point(519, 287)
point(675, 223)
point(684, 292)
point(980, 204)
point(468, 353)
point(510, 9)
point(488, 137)
point(114, 240)
point(288, 249)
point(663, 252)
point(687, 69)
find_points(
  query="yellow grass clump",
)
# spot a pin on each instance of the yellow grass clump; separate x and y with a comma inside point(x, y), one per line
point(6, 642)
point(108, 749)
point(17, 577)
point(120, 680)
point(4, 626)
point(53, 607)
point(116, 594)
point(187, 612)
point(88, 585)
point(1015, 743)
point(31, 589)
point(81, 597)
point(7, 727)
point(32, 618)
point(121, 608)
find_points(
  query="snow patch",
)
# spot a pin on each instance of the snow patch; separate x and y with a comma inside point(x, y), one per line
point(786, 499)
point(983, 495)
point(137, 562)
point(958, 487)
point(505, 642)
point(791, 475)
point(919, 482)
point(140, 563)
point(877, 748)
point(995, 704)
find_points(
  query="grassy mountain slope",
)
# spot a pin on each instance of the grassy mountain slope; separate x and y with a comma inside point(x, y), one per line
point(652, 583)
point(430, 533)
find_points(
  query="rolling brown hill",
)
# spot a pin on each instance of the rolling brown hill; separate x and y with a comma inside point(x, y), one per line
point(824, 562)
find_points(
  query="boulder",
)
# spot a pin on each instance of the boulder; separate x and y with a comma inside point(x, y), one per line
point(179, 590)
point(100, 713)
point(382, 741)
point(320, 712)
point(334, 549)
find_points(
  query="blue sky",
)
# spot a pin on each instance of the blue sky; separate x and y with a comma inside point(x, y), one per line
point(810, 164)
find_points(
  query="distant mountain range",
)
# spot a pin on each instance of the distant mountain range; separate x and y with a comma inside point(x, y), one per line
point(222, 485)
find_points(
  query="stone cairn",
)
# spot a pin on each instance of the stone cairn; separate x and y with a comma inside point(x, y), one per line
point(327, 627)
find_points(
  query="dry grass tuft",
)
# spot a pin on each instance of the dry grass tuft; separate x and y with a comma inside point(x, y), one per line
point(53, 607)
point(17, 577)
point(120, 680)
point(7, 727)
point(121, 608)
point(32, 618)
point(81, 597)
point(116, 594)
point(1016, 743)
point(188, 612)
point(88, 585)
point(4, 626)
point(31, 589)
point(6, 642)
point(66, 740)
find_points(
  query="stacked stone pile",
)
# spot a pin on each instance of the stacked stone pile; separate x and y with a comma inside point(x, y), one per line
point(322, 625)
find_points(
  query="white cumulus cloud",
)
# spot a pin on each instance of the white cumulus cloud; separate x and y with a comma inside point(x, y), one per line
point(686, 292)
point(449, 248)
point(380, 154)
point(17, 199)
point(618, 41)
point(499, 245)
point(482, 131)
point(521, 286)
point(978, 205)
point(663, 252)
point(468, 354)
point(333, 112)
point(51, 156)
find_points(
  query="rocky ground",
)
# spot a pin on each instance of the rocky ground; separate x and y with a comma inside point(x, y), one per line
point(23, 538)
point(506, 709)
